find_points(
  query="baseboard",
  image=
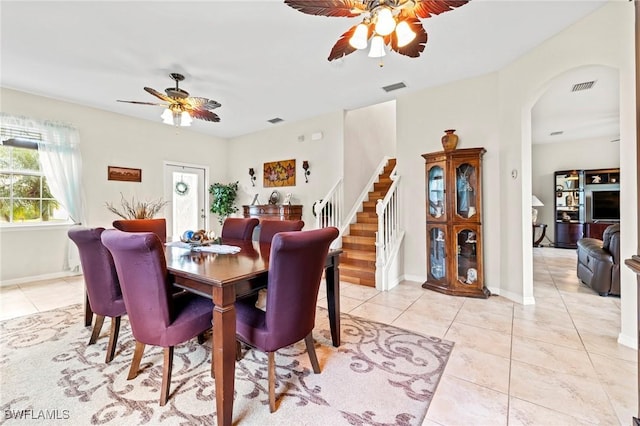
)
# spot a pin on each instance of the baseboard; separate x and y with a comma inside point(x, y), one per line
point(627, 341)
point(34, 278)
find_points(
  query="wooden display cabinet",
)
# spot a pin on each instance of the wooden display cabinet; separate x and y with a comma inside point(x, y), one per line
point(454, 222)
point(569, 207)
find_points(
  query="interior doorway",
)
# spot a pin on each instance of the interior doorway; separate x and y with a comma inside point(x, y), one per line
point(186, 191)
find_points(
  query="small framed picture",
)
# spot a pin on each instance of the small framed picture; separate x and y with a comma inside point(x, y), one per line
point(124, 174)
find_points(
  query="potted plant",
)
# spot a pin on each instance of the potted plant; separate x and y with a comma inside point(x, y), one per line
point(224, 197)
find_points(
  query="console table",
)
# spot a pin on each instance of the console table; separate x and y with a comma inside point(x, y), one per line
point(273, 211)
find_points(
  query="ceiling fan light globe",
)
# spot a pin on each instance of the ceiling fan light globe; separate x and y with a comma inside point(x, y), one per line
point(167, 116)
point(377, 47)
point(359, 38)
point(185, 119)
point(385, 24)
point(404, 34)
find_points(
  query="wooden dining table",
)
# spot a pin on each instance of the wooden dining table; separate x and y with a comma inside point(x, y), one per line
point(226, 277)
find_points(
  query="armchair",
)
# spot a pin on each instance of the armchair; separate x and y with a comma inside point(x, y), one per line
point(599, 262)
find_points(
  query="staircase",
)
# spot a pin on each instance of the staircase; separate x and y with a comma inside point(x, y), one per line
point(358, 259)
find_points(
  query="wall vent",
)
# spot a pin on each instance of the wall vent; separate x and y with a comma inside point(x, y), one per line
point(583, 86)
point(275, 120)
point(558, 133)
point(394, 86)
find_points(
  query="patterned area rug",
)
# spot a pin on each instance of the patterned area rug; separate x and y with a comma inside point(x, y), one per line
point(380, 375)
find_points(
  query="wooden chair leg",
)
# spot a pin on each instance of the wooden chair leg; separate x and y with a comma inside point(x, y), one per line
point(201, 338)
point(113, 339)
point(96, 329)
point(238, 350)
point(88, 313)
point(135, 362)
point(272, 381)
point(166, 375)
point(311, 350)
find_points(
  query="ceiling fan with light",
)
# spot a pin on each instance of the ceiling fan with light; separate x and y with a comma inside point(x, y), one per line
point(393, 23)
point(180, 108)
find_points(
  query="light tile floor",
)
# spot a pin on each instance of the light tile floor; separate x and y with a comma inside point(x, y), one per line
point(553, 363)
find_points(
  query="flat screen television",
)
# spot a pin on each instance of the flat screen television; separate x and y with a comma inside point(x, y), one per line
point(605, 205)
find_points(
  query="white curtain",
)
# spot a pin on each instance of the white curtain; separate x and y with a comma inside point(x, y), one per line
point(61, 163)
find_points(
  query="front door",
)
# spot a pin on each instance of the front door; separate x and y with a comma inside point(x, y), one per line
point(186, 191)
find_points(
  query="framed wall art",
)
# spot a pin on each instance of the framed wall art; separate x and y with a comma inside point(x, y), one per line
point(279, 173)
point(124, 174)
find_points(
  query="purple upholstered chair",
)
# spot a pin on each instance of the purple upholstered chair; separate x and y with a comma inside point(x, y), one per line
point(157, 226)
point(269, 228)
point(239, 228)
point(296, 263)
point(156, 318)
point(101, 283)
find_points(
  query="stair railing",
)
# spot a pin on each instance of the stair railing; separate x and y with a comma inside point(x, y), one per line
point(389, 234)
point(328, 211)
point(357, 205)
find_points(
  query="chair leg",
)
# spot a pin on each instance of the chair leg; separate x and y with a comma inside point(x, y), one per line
point(272, 381)
point(113, 339)
point(201, 338)
point(166, 375)
point(135, 362)
point(96, 329)
point(311, 350)
point(238, 350)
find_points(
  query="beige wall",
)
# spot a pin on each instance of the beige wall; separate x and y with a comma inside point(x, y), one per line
point(106, 139)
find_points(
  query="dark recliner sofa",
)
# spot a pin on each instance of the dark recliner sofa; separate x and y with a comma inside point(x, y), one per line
point(599, 262)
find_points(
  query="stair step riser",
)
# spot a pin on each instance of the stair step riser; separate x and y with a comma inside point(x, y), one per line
point(364, 265)
point(363, 233)
point(360, 247)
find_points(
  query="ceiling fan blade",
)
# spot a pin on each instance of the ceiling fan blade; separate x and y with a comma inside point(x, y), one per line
point(342, 46)
point(341, 8)
point(413, 49)
point(427, 8)
point(139, 102)
point(158, 94)
point(203, 114)
point(203, 103)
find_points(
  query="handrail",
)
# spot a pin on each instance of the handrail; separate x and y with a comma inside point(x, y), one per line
point(328, 210)
point(350, 218)
point(389, 233)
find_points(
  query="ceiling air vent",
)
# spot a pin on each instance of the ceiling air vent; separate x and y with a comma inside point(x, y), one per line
point(583, 86)
point(558, 133)
point(394, 86)
point(275, 120)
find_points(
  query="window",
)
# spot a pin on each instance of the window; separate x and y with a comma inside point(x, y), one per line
point(25, 197)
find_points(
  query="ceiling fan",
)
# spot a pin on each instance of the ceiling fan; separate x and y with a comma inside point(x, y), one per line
point(180, 107)
point(393, 23)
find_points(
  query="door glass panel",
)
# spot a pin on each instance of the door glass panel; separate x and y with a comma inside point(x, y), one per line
point(436, 255)
point(436, 192)
point(185, 203)
point(467, 259)
point(466, 181)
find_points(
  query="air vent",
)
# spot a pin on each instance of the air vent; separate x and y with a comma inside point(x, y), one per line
point(394, 86)
point(558, 133)
point(275, 120)
point(583, 86)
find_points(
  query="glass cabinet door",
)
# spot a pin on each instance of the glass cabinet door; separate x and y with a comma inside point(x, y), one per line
point(466, 186)
point(467, 258)
point(436, 188)
point(437, 266)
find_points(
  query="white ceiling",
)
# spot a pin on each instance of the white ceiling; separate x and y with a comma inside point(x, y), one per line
point(259, 59)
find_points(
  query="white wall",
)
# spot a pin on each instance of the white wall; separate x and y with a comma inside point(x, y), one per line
point(369, 136)
point(596, 153)
point(470, 107)
point(325, 158)
point(106, 139)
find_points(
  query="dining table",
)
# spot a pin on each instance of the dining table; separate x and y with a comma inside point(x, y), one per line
point(224, 277)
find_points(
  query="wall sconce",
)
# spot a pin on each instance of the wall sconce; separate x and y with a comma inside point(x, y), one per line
point(305, 166)
point(252, 173)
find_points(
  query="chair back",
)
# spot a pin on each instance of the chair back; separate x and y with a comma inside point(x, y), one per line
point(157, 226)
point(296, 263)
point(100, 276)
point(239, 228)
point(269, 228)
point(142, 268)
